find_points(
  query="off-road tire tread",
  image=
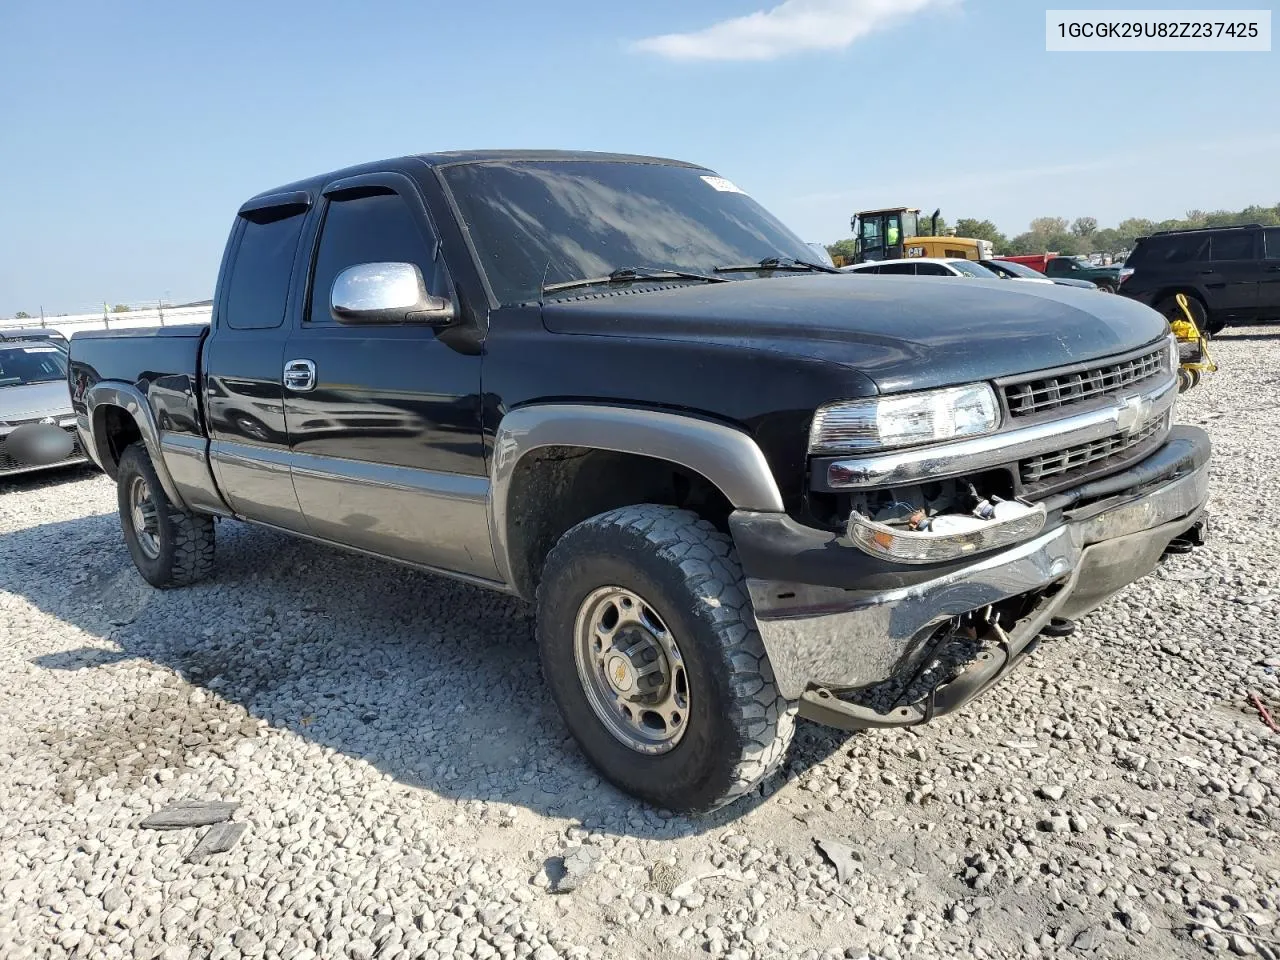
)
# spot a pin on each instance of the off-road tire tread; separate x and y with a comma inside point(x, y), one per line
point(709, 564)
point(193, 534)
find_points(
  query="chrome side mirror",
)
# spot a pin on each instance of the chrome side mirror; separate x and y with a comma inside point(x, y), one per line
point(386, 293)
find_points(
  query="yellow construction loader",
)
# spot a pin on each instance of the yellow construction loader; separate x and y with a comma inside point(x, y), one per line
point(894, 232)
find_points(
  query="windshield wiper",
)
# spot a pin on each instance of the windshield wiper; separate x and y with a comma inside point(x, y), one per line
point(632, 275)
point(778, 263)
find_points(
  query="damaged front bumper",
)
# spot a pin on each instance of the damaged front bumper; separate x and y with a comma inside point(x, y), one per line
point(834, 620)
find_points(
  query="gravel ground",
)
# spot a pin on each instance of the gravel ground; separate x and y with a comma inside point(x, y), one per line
point(409, 790)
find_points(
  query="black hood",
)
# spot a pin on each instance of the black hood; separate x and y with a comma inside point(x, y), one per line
point(905, 333)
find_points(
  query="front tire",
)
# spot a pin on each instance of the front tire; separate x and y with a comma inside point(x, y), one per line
point(169, 547)
point(649, 645)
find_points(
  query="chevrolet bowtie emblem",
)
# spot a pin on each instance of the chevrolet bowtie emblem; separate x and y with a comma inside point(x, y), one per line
point(1134, 412)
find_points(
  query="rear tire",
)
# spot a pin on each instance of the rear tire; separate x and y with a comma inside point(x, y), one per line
point(641, 593)
point(1169, 309)
point(170, 548)
point(1107, 287)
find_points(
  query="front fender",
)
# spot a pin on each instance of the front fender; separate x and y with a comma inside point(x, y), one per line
point(729, 458)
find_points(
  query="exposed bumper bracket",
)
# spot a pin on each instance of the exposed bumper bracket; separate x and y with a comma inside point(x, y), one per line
point(978, 676)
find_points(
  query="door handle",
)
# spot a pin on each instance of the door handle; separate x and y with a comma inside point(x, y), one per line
point(299, 376)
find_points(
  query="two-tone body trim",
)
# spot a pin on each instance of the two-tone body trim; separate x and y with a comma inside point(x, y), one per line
point(131, 401)
point(727, 457)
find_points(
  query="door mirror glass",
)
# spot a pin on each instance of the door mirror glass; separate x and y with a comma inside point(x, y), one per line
point(386, 293)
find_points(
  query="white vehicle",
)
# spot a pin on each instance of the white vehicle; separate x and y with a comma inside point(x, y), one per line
point(926, 267)
point(822, 256)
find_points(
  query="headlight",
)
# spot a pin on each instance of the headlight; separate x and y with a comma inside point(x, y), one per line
point(881, 423)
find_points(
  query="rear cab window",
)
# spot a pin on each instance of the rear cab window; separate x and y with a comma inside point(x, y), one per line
point(262, 268)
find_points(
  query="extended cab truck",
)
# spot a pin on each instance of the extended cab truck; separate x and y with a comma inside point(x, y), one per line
point(738, 489)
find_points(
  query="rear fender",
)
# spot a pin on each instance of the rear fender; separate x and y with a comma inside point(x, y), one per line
point(129, 399)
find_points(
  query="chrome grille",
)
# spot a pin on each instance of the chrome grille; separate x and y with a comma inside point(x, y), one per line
point(1063, 389)
point(1050, 465)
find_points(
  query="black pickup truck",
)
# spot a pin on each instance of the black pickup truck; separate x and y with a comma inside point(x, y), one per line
point(738, 486)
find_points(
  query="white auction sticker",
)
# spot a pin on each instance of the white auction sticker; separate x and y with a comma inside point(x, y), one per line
point(1170, 31)
point(39, 349)
point(721, 184)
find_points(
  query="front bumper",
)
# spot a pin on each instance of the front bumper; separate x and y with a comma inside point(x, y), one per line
point(822, 633)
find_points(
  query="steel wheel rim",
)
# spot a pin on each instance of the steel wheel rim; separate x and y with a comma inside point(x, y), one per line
point(145, 517)
point(631, 670)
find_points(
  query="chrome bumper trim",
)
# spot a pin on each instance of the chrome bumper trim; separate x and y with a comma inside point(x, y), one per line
point(1125, 412)
point(841, 639)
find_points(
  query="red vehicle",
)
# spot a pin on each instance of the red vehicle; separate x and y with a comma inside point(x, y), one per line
point(1036, 261)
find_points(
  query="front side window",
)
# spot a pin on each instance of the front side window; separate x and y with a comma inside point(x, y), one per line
point(898, 268)
point(932, 270)
point(1231, 245)
point(31, 363)
point(534, 223)
point(377, 227)
point(260, 273)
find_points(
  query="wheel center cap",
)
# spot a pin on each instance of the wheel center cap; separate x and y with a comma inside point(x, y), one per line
point(620, 674)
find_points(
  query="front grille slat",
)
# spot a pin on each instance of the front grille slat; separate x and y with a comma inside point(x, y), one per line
point(1056, 391)
point(1047, 466)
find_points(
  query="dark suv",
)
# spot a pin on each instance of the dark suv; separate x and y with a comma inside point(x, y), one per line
point(1227, 273)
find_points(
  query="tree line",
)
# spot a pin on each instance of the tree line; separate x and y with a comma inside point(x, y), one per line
point(1083, 235)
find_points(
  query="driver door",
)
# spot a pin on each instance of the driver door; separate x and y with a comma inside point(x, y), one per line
point(385, 429)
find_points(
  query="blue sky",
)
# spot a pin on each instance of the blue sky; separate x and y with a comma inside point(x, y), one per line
point(132, 131)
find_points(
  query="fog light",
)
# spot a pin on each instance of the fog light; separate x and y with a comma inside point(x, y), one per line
point(952, 536)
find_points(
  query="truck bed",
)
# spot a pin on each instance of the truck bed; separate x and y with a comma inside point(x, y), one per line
point(161, 362)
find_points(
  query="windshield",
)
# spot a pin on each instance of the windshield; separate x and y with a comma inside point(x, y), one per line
point(970, 269)
point(31, 364)
point(547, 222)
point(1018, 270)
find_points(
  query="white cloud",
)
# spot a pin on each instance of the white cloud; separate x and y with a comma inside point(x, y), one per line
point(791, 27)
